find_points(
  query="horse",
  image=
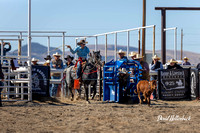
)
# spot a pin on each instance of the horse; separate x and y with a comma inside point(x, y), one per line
point(88, 75)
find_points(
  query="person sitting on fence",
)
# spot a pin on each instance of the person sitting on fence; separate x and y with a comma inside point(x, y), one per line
point(69, 60)
point(48, 60)
point(173, 65)
point(56, 63)
point(34, 61)
point(156, 65)
point(1, 83)
point(122, 56)
point(82, 52)
point(133, 55)
point(186, 61)
point(145, 67)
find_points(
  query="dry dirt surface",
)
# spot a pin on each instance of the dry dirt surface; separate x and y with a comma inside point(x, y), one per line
point(78, 116)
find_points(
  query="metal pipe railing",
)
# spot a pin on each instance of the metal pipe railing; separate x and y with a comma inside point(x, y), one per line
point(175, 40)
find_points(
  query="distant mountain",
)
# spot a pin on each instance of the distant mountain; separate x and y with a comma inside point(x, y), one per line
point(40, 51)
point(37, 51)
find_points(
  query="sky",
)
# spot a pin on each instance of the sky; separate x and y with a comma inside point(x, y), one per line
point(90, 17)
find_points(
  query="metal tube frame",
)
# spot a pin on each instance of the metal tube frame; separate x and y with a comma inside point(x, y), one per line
point(175, 40)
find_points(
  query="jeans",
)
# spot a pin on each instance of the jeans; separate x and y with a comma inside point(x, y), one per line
point(54, 87)
point(78, 71)
point(1, 88)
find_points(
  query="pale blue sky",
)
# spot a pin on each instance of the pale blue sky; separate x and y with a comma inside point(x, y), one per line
point(89, 17)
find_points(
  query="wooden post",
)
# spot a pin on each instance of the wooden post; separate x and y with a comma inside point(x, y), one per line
point(181, 44)
point(139, 41)
point(143, 30)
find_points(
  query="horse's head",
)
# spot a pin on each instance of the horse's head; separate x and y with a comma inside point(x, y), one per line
point(97, 57)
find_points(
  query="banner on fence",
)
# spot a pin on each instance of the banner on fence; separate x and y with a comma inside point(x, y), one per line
point(174, 84)
point(40, 80)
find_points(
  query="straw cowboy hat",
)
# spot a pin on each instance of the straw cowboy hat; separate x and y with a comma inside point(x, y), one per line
point(56, 54)
point(48, 57)
point(185, 58)
point(132, 54)
point(138, 56)
point(173, 61)
point(82, 42)
point(34, 59)
point(156, 57)
point(69, 57)
point(123, 70)
point(121, 52)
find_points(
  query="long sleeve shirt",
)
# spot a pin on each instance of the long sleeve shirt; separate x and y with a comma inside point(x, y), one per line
point(157, 66)
point(81, 52)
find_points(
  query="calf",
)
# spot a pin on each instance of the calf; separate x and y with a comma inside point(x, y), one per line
point(145, 87)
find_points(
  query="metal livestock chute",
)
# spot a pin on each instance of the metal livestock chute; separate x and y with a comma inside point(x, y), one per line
point(113, 90)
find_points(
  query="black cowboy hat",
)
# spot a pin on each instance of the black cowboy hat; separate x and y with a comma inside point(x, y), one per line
point(82, 42)
point(48, 57)
point(69, 57)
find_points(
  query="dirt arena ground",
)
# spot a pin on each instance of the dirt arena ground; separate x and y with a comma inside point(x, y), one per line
point(78, 116)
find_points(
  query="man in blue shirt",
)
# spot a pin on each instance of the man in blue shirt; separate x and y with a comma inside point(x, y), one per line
point(82, 52)
point(122, 56)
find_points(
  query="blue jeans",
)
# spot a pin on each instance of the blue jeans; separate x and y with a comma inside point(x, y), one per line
point(54, 87)
point(1, 88)
point(78, 71)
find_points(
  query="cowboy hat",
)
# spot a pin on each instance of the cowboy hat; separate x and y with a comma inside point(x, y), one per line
point(185, 58)
point(47, 61)
point(121, 51)
point(48, 57)
point(69, 57)
point(34, 59)
point(82, 42)
point(138, 56)
point(173, 61)
point(56, 54)
point(156, 57)
point(132, 54)
point(123, 70)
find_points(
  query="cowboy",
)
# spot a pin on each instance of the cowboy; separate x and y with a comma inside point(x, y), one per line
point(145, 67)
point(186, 61)
point(173, 65)
point(48, 60)
point(156, 64)
point(58, 64)
point(133, 55)
point(82, 52)
point(1, 83)
point(69, 60)
point(122, 56)
point(34, 61)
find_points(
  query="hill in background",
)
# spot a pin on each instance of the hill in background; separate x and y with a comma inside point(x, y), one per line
point(40, 51)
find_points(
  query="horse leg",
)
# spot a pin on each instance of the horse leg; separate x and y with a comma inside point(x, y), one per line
point(72, 94)
point(86, 93)
point(94, 90)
